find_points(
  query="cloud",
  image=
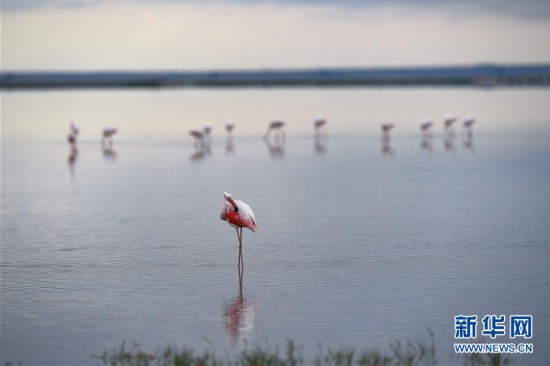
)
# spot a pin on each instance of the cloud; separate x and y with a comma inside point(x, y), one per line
point(175, 35)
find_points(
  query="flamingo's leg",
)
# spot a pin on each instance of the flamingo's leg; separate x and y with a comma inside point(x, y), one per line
point(241, 248)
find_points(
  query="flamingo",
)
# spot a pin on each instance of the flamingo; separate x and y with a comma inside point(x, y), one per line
point(199, 137)
point(319, 123)
point(108, 133)
point(386, 128)
point(276, 125)
point(468, 123)
point(71, 138)
point(238, 215)
point(229, 125)
point(426, 128)
point(448, 123)
point(207, 128)
point(73, 133)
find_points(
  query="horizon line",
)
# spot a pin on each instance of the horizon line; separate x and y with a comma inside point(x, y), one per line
point(289, 68)
point(474, 75)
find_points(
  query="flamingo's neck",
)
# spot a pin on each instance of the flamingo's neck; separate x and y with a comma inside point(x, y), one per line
point(232, 201)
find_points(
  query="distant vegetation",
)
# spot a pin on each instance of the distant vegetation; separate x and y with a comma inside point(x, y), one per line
point(476, 75)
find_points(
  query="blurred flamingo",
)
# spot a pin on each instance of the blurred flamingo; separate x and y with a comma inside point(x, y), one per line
point(108, 133)
point(426, 127)
point(229, 126)
point(448, 123)
point(207, 128)
point(320, 138)
point(468, 126)
point(198, 135)
point(386, 128)
point(109, 153)
point(320, 124)
point(277, 126)
point(468, 123)
point(73, 133)
point(238, 214)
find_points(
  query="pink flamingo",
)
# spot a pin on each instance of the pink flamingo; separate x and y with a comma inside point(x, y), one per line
point(426, 127)
point(229, 126)
point(108, 133)
point(386, 128)
point(319, 123)
point(207, 128)
point(238, 214)
point(73, 133)
point(448, 123)
point(468, 123)
point(198, 135)
point(277, 126)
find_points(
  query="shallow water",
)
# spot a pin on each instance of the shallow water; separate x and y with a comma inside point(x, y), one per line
point(358, 244)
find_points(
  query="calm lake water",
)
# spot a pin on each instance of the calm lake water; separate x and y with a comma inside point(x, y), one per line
point(358, 244)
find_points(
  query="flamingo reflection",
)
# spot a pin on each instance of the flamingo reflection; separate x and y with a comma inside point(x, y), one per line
point(229, 146)
point(240, 316)
point(109, 153)
point(448, 143)
point(198, 154)
point(426, 144)
point(276, 148)
point(201, 142)
point(73, 156)
point(321, 144)
point(469, 143)
point(386, 149)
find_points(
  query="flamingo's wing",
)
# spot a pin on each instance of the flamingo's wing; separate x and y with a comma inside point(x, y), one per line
point(248, 216)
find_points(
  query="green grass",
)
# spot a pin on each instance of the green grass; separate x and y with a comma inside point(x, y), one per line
point(399, 354)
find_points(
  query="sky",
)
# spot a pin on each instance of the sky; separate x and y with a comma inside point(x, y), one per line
point(78, 35)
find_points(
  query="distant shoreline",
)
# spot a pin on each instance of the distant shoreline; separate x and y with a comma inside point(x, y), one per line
point(489, 75)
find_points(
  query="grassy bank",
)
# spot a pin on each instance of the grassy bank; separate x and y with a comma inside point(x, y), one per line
point(398, 354)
